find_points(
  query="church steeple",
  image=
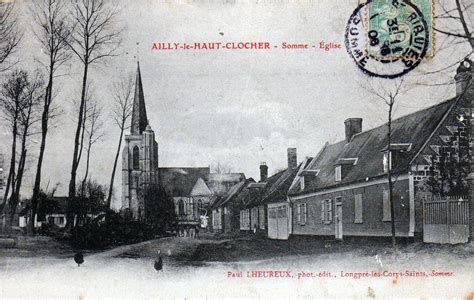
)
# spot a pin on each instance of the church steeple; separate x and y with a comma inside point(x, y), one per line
point(139, 118)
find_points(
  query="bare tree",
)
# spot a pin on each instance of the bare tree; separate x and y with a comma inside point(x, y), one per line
point(11, 103)
point(93, 130)
point(454, 20)
point(53, 32)
point(19, 102)
point(388, 93)
point(94, 38)
point(9, 34)
point(121, 111)
point(222, 168)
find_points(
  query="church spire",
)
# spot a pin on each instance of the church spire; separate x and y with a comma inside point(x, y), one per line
point(139, 118)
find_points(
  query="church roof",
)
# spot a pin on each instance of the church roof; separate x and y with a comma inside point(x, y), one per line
point(139, 118)
point(179, 182)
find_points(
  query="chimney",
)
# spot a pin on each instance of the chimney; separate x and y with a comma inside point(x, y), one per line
point(263, 172)
point(463, 75)
point(292, 159)
point(353, 127)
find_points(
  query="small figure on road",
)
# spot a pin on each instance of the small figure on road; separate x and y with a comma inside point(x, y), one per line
point(197, 231)
point(158, 262)
point(79, 258)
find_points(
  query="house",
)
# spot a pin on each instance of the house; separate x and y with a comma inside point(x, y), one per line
point(275, 198)
point(226, 210)
point(344, 190)
point(51, 210)
point(252, 213)
point(268, 207)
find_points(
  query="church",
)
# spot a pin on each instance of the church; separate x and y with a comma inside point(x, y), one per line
point(139, 156)
point(193, 189)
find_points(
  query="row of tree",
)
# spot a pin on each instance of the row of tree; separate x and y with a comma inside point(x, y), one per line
point(84, 32)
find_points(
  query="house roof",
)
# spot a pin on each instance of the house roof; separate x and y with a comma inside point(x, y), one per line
point(226, 177)
point(219, 183)
point(179, 182)
point(235, 193)
point(368, 146)
point(275, 188)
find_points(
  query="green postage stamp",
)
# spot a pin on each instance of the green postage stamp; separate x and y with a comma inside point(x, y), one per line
point(392, 26)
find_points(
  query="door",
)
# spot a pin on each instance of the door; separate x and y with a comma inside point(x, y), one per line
point(282, 223)
point(338, 220)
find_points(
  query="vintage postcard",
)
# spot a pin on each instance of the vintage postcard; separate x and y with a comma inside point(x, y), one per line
point(210, 149)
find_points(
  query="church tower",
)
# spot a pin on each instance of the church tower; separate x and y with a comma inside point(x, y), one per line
point(139, 156)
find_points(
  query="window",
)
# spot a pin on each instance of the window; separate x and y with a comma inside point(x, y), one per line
point(136, 158)
point(190, 207)
point(282, 212)
point(272, 213)
point(386, 206)
point(181, 208)
point(358, 208)
point(301, 213)
point(326, 211)
point(60, 221)
point(217, 220)
point(387, 161)
point(244, 219)
point(338, 173)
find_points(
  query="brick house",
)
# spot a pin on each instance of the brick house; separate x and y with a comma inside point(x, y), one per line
point(343, 191)
point(268, 206)
point(226, 209)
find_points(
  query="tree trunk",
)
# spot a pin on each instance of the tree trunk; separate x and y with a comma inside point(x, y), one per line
point(111, 186)
point(389, 174)
point(11, 172)
point(83, 185)
point(72, 182)
point(44, 132)
point(16, 194)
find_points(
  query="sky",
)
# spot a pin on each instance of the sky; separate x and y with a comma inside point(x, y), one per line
point(233, 107)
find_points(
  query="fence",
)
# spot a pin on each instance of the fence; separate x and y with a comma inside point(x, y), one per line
point(446, 219)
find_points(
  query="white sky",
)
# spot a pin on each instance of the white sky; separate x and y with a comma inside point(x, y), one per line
point(238, 107)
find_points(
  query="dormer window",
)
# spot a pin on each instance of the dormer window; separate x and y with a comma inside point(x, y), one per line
point(343, 166)
point(338, 173)
point(392, 155)
point(306, 176)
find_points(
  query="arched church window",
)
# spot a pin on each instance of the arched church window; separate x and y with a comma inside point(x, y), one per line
point(181, 208)
point(136, 158)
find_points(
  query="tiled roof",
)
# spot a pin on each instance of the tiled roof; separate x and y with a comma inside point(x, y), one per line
point(367, 147)
point(275, 188)
point(219, 183)
point(234, 193)
point(226, 177)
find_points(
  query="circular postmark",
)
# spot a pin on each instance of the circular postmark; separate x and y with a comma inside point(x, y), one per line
point(387, 38)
